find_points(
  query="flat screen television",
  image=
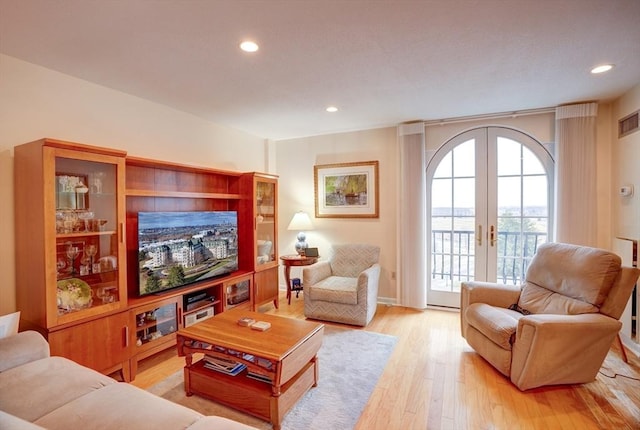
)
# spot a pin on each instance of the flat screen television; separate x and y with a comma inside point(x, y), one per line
point(182, 248)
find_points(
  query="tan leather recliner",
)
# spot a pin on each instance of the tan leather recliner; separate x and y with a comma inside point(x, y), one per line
point(556, 328)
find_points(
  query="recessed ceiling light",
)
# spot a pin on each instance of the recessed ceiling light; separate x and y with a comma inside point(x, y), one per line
point(601, 69)
point(249, 46)
point(332, 109)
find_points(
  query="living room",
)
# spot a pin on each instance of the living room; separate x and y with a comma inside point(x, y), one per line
point(40, 102)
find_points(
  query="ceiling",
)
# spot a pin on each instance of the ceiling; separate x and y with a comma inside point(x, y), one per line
point(381, 62)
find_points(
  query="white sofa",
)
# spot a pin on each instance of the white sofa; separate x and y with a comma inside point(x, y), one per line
point(39, 391)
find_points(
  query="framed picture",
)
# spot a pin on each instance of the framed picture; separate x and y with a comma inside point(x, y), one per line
point(346, 190)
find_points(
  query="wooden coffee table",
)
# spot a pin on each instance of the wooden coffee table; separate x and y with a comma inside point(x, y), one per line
point(286, 354)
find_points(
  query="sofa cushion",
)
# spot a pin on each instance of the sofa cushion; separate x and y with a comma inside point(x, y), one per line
point(119, 406)
point(497, 324)
point(34, 389)
point(578, 272)
point(11, 422)
point(336, 289)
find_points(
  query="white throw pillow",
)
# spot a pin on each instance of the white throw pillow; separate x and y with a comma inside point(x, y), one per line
point(9, 324)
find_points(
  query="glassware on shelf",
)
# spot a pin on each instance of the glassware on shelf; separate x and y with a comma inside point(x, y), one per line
point(72, 254)
point(86, 217)
point(69, 221)
point(91, 251)
point(81, 191)
point(60, 265)
point(106, 294)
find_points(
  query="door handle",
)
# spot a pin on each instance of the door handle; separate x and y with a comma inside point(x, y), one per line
point(492, 236)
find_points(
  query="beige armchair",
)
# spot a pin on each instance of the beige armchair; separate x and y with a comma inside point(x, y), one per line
point(556, 328)
point(343, 289)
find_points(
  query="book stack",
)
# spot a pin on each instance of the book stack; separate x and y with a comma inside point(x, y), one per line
point(223, 365)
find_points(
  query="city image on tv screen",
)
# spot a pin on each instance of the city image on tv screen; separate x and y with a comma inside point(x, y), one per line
point(180, 248)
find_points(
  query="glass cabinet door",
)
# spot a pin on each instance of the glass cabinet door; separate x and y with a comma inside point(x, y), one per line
point(237, 292)
point(87, 254)
point(265, 201)
point(155, 323)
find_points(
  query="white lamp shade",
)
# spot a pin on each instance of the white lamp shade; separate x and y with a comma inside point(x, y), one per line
point(300, 222)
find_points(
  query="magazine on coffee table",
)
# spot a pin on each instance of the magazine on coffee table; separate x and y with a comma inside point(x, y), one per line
point(227, 366)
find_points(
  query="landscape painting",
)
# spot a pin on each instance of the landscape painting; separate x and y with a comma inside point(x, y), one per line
point(346, 190)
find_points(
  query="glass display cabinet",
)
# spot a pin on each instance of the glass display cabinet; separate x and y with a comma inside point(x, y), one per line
point(265, 210)
point(70, 270)
point(260, 210)
point(87, 252)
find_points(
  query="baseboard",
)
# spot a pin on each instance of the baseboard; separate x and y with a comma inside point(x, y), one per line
point(443, 308)
point(631, 346)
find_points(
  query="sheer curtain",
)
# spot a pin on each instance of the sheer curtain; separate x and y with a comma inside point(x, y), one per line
point(576, 205)
point(412, 221)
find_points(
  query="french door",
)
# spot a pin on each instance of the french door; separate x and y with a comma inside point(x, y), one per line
point(489, 205)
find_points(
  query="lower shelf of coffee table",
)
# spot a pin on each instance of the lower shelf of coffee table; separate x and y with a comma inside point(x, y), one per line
point(248, 395)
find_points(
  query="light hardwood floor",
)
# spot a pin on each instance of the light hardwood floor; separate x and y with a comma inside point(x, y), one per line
point(434, 380)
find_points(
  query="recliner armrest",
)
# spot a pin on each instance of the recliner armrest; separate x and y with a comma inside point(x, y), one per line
point(493, 294)
point(22, 348)
point(550, 349)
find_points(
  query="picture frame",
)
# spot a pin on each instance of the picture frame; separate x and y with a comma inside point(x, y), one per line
point(346, 190)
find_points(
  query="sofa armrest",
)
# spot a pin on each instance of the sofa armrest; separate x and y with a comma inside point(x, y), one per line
point(315, 273)
point(22, 348)
point(560, 349)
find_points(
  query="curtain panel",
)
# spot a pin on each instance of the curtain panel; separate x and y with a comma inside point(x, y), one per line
point(576, 197)
point(412, 217)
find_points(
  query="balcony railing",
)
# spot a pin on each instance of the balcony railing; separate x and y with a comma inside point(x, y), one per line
point(453, 260)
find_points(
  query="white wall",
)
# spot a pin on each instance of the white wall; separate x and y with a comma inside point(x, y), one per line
point(626, 210)
point(295, 161)
point(626, 158)
point(36, 102)
point(540, 126)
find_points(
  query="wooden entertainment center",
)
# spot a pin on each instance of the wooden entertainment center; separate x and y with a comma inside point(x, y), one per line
point(77, 263)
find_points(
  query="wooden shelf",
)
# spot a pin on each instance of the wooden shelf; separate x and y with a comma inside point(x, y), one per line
point(181, 194)
point(139, 301)
point(167, 165)
point(84, 234)
point(204, 305)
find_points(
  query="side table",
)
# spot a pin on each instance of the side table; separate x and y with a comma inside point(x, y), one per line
point(294, 260)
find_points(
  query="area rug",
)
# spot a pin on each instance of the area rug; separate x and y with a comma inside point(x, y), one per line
point(351, 362)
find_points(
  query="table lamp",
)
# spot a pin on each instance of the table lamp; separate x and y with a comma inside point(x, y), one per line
point(300, 222)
